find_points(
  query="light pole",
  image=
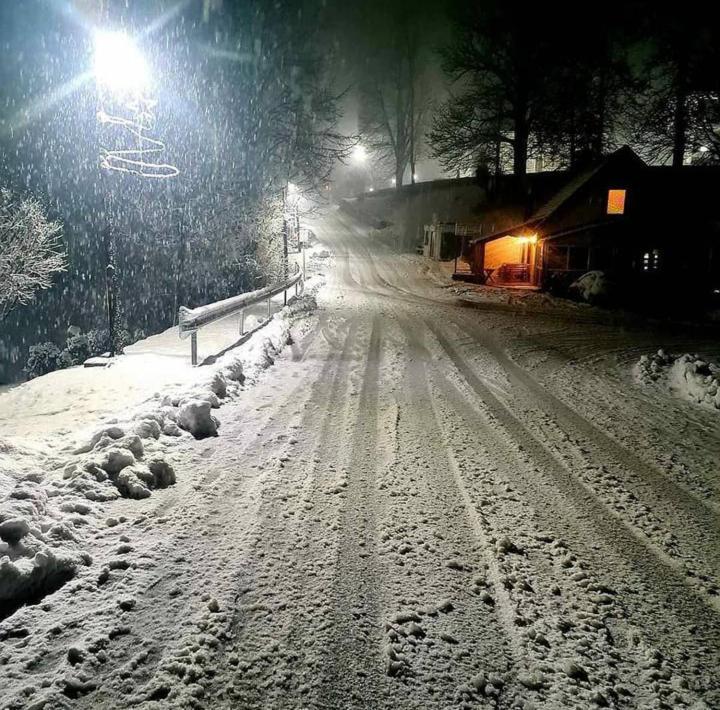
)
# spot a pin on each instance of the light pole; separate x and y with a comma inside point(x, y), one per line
point(359, 157)
point(122, 77)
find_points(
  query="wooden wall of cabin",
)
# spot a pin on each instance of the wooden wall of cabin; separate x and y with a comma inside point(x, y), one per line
point(506, 250)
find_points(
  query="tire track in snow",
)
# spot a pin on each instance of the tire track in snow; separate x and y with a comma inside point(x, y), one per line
point(520, 579)
point(601, 443)
point(695, 526)
point(664, 587)
point(573, 615)
point(439, 555)
point(354, 670)
point(275, 637)
point(221, 517)
point(633, 540)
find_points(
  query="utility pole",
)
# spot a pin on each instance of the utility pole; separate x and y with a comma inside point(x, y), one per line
point(285, 256)
point(110, 291)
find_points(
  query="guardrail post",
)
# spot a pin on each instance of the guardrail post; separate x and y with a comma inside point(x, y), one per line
point(242, 321)
point(269, 300)
point(193, 347)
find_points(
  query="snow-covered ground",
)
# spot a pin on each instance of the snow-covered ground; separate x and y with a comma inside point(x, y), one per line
point(688, 376)
point(417, 504)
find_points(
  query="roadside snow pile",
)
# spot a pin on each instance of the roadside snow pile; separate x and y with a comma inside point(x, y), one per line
point(39, 542)
point(687, 376)
point(591, 286)
point(45, 519)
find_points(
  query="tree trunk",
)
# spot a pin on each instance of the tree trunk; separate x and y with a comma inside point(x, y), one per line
point(399, 174)
point(680, 119)
point(596, 146)
point(411, 80)
point(573, 136)
point(520, 145)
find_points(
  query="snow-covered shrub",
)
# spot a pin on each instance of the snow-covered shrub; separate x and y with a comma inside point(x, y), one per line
point(30, 250)
point(592, 287)
point(125, 337)
point(98, 341)
point(44, 358)
point(78, 348)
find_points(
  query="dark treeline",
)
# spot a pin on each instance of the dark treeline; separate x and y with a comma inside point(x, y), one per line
point(243, 107)
point(567, 82)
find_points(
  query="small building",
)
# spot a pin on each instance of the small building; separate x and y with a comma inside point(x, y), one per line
point(439, 241)
point(643, 226)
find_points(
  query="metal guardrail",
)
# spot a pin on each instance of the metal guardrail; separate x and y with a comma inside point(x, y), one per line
point(190, 320)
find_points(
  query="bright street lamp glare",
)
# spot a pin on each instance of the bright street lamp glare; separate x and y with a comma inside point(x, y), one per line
point(359, 154)
point(118, 65)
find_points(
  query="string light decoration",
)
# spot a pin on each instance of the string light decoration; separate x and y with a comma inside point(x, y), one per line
point(123, 81)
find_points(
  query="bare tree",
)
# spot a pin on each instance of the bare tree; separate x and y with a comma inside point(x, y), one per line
point(674, 111)
point(394, 105)
point(503, 58)
point(30, 250)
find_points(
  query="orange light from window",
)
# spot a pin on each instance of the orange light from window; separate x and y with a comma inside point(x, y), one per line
point(616, 202)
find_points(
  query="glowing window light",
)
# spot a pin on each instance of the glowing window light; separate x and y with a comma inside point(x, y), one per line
point(616, 201)
point(651, 260)
point(527, 238)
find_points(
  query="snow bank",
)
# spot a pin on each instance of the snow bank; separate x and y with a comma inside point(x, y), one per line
point(687, 376)
point(194, 416)
point(39, 543)
point(45, 519)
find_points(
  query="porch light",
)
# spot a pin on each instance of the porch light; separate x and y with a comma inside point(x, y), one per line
point(527, 238)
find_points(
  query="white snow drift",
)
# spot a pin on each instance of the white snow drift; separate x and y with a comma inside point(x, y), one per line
point(47, 518)
point(687, 376)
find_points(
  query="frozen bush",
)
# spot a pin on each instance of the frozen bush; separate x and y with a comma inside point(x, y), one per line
point(30, 250)
point(592, 287)
point(44, 358)
point(78, 348)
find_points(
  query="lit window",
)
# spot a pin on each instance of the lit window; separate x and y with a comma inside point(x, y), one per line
point(616, 202)
point(651, 260)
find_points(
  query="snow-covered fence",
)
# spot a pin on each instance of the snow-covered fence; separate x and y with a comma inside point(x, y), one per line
point(190, 320)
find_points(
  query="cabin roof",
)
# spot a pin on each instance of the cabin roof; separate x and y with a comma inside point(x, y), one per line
point(569, 190)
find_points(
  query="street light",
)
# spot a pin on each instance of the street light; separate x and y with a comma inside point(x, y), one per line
point(122, 77)
point(359, 154)
point(118, 64)
point(123, 81)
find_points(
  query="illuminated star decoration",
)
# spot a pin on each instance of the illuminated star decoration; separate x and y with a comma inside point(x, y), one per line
point(123, 81)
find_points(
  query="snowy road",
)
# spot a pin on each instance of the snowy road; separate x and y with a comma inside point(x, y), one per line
point(421, 505)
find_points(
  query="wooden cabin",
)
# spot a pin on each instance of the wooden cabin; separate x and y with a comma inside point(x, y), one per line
point(643, 226)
